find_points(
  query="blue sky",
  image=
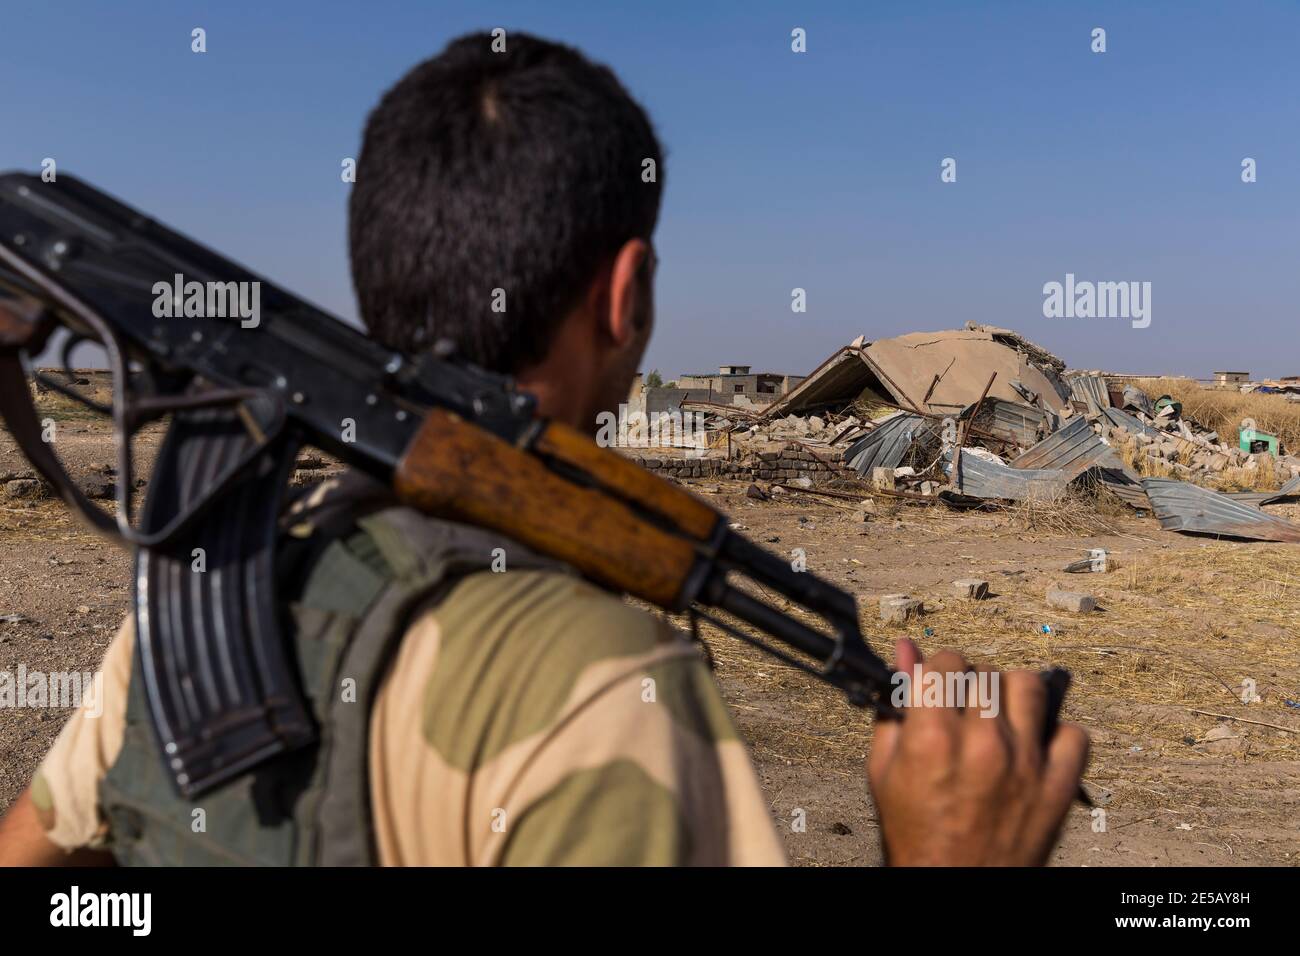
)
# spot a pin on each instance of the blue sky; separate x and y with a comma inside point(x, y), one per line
point(816, 170)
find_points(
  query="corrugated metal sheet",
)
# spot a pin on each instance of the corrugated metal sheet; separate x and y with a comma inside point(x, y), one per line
point(1089, 391)
point(886, 445)
point(1252, 498)
point(1289, 490)
point(979, 478)
point(1126, 489)
point(1011, 422)
point(1072, 450)
point(1124, 420)
point(1182, 506)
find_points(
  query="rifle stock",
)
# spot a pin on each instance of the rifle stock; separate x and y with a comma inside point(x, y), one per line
point(456, 470)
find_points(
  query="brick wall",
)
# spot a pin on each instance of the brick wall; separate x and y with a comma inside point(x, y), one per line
point(778, 465)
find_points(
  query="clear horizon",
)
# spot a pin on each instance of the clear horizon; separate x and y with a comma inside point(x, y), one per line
point(817, 170)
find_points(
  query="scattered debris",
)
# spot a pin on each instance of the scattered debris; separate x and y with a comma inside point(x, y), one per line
point(982, 418)
point(1244, 720)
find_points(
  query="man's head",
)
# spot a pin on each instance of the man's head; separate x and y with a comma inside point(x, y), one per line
point(503, 202)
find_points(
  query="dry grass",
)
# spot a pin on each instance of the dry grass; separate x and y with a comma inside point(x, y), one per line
point(1108, 504)
point(60, 408)
point(1073, 513)
point(1177, 632)
point(1246, 479)
point(1223, 410)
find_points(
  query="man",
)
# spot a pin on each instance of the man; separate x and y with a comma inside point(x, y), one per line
point(506, 200)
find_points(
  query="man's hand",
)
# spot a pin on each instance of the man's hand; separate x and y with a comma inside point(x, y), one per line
point(23, 841)
point(954, 788)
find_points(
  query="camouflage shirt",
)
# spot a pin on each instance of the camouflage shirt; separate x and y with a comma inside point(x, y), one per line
point(527, 719)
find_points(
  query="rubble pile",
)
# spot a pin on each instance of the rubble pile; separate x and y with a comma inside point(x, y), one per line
point(980, 416)
point(1195, 453)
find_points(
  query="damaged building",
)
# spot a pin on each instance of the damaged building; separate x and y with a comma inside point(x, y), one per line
point(979, 416)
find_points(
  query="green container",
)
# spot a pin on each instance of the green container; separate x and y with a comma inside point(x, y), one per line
point(1253, 441)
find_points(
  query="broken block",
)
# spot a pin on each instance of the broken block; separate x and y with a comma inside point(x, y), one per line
point(972, 589)
point(899, 609)
point(1071, 601)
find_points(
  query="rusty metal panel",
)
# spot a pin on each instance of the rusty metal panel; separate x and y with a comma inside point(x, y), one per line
point(1072, 449)
point(839, 380)
point(1182, 506)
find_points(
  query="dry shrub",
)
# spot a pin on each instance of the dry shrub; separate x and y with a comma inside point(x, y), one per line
point(1247, 479)
point(1073, 514)
point(1129, 453)
point(1108, 504)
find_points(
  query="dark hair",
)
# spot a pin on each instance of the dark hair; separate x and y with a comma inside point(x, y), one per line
point(519, 170)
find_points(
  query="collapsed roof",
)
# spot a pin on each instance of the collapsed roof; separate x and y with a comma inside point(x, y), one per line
point(934, 373)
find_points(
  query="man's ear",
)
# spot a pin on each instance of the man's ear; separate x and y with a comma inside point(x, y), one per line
point(624, 313)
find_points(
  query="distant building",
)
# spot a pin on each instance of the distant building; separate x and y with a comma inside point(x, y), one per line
point(1230, 379)
point(732, 380)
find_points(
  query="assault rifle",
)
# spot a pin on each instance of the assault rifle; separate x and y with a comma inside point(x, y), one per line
point(450, 439)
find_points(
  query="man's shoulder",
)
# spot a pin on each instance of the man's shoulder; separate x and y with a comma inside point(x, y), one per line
point(506, 657)
point(572, 620)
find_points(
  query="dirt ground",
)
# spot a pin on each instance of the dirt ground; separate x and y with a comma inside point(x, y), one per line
point(1183, 622)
